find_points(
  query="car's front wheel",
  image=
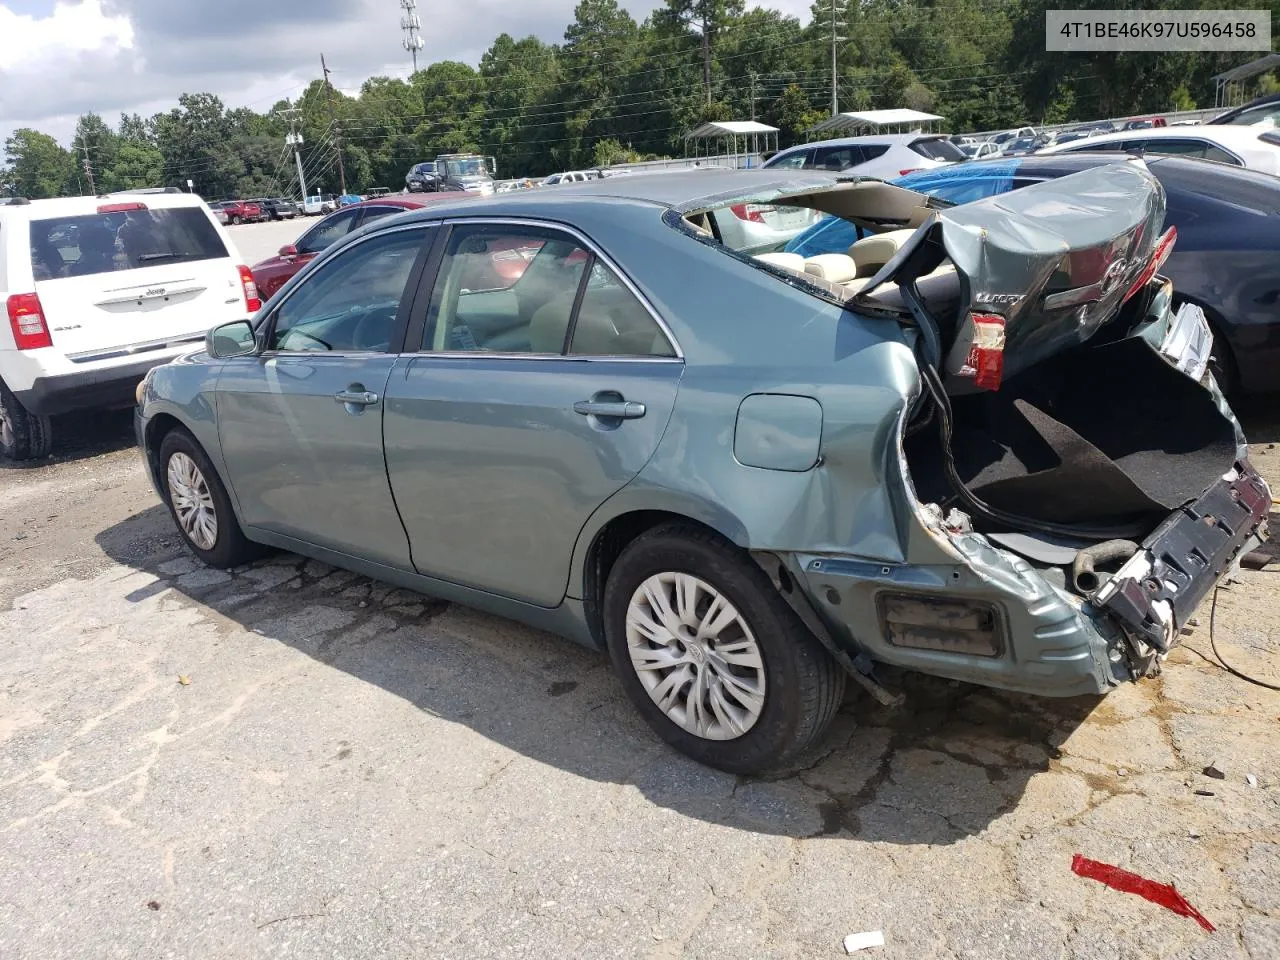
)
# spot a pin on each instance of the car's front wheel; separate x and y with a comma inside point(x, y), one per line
point(199, 504)
point(712, 657)
point(23, 435)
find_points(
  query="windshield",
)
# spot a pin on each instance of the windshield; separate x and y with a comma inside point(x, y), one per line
point(104, 243)
point(1022, 144)
point(470, 167)
point(1267, 115)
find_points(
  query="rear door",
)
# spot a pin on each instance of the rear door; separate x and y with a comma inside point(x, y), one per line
point(129, 276)
point(536, 395)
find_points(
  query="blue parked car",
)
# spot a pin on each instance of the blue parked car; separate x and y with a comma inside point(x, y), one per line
point(585, 410)
point(1226, 259)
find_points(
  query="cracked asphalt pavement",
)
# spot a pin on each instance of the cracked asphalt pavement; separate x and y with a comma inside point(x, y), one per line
point(357, 771)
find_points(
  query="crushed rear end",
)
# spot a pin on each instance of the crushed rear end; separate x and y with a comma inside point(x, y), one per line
point(1069, 454)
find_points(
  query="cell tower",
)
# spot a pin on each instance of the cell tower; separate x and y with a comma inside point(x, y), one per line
point(410, 23)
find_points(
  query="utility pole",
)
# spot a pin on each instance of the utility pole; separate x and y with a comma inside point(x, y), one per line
point(294, 139)
point(333, 125)
point(835, 40)
point(752, 76)
point(410, 23)
point(88, 170)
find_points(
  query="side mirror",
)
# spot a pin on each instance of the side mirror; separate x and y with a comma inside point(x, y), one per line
point(288, 250)
point(234, 339)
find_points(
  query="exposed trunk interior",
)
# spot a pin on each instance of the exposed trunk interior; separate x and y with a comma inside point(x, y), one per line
point(1102, 437)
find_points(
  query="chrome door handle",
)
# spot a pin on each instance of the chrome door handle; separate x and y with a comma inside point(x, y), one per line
point(610, 409)
point(361, 398)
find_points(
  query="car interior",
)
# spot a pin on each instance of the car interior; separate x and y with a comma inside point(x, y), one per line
point(517, 294)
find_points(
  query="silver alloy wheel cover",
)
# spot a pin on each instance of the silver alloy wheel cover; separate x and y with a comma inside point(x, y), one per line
point(696, 656)
point(192, 501)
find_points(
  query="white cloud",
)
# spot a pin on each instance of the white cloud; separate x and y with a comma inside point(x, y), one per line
point(33, 45)
point(113, 56)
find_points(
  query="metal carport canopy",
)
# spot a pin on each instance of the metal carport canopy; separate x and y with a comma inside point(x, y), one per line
point(873, 120)
point(728, 128)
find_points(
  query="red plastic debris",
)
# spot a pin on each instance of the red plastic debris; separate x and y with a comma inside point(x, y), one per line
point(1162, 894)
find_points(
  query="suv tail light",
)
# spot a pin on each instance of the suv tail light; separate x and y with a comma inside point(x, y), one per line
point(120, 207)
point(26, 317)
point(252, 302)
point(903, 173)
point(1164, 247)
point(753, 212)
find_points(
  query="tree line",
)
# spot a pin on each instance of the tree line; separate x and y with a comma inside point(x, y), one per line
point(620, 90)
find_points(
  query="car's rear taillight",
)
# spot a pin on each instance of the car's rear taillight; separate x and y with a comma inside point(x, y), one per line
point(752, 212)
point(26, 317)
point(903, 173)
point(121, 207)
point(252, 302)
point(1164, 247)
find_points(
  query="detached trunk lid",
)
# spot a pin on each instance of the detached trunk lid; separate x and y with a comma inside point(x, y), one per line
point(1052, 263)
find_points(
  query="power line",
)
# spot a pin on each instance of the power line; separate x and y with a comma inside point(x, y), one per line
point(337, 133)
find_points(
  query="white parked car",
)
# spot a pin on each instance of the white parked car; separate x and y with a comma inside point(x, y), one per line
point(1257, 148)
point(759, 227)
point(977, 151)
point(885, 156)
point(98, 290)
point(319, 204)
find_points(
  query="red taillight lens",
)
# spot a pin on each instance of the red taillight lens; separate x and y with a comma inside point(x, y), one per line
point(903, 173)
point(1164, 247)
point(252, 302)
point(26, 317)
point(753, 212)
point(121, 207)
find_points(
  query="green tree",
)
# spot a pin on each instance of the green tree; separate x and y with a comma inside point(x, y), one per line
point(37, 165)
point(707, 19)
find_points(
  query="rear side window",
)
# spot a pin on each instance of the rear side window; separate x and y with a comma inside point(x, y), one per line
point(128, 240)
point(939, 149)
point(837, 158)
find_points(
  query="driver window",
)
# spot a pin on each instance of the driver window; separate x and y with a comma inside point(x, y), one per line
point(350, 303)
point(328, 231)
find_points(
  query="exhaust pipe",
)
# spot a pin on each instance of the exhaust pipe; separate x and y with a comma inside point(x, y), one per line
point(1083, 573)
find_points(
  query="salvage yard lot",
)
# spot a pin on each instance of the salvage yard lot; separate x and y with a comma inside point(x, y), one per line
point(291, 760)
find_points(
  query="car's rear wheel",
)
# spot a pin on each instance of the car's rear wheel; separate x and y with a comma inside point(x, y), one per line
point(23, 435)
point(199, 504)
point(712, 657)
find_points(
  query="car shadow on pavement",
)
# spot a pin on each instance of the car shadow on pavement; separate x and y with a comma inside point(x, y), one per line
point(943, 767)
point(79, 436)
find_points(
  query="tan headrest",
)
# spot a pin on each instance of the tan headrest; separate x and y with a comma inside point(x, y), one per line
point(788, 261)
point(835, 267)
point(874, 252)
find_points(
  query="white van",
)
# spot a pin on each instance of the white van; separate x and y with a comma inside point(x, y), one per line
point(98, 290)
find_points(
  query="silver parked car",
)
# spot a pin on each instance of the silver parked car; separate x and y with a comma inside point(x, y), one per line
point(982, 444)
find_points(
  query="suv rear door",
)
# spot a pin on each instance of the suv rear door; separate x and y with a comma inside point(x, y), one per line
point(127, 276)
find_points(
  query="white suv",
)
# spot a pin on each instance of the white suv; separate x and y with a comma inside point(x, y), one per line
point(98, 290)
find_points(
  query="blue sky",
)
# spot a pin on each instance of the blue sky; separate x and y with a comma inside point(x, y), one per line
point(61, 58)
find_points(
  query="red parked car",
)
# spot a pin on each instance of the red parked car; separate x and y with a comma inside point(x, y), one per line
point(273, 273)
point(239, 211)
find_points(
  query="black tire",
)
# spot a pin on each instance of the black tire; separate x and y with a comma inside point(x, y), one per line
point(1222, 364)
point(23, 435)
point(235, 221)
point(230, 548)
point(803, 684)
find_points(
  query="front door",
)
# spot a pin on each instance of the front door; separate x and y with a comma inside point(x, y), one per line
point(542, 387)
point(301, 424)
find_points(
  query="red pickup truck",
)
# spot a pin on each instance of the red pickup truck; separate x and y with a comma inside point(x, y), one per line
point(239, 211)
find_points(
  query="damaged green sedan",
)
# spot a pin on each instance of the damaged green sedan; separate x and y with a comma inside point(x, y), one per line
point(982, 444)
